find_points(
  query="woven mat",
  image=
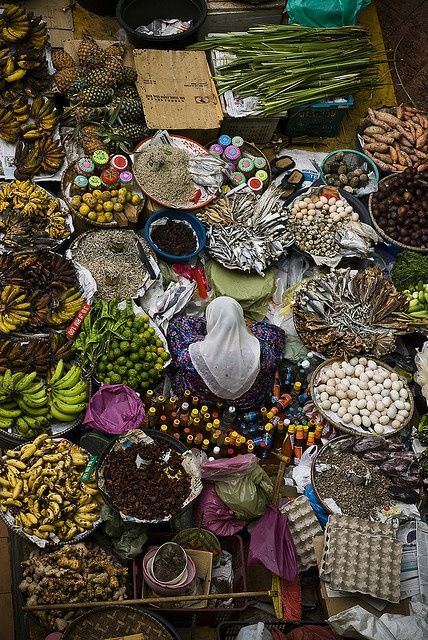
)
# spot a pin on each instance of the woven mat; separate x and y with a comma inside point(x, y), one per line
point(110, 622)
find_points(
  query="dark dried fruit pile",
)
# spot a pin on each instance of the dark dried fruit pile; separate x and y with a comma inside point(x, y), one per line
point(175, 238)
point(154, 490)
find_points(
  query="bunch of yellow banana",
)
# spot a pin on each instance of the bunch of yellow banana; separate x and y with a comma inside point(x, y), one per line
point(38, 35)
point(14, 23)
point(21, 109)
point(44, 114)
point(67, 305)
point(13, 308)
point(56, 227)
point(23, 403)
point(42, 480)
point(68, 393)
point(9, 126)
point(51, 153)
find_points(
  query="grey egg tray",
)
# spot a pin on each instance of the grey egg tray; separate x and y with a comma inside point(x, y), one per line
point(304, 526)
point(362, 557)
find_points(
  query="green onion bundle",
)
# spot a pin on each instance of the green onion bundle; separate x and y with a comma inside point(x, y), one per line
point(288, 65)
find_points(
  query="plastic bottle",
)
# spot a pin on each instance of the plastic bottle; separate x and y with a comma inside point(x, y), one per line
point(205, 445)
point(184, 409)
point(148, 398)
point(152, 417)
point(318, 433)
point(164, 428)
point(216, 453)
point(298, 443)
point(276, 390)
point(159, 402)
point(228, 418)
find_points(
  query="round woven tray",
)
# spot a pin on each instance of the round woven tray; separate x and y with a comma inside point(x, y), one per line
point(118, 621)
point(380, 231)
point(341, 426)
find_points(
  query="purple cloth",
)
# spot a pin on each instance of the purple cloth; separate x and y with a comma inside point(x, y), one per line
point(183, 330)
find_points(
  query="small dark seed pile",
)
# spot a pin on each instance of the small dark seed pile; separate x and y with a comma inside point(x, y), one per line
point(168, 563)
point(154, 490)
point(175, 238)
point(354, 500)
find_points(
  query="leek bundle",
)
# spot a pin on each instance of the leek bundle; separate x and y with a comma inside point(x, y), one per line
point(289, 65)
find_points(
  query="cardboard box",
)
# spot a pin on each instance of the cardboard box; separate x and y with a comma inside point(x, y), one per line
point(178, 92)
point(59, 21)
point(203, 562)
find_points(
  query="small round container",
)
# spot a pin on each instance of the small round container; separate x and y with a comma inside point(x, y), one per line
point(231, 154)
point(237, 178)
point(182, 575)
point(175, 214)
point(216, 150)
point(225, 140)
point(119, 162)
point(95, 182)
point(260, 163)
point(246, 166)
point(255, 184)
point(263, 176)
point(110, 177)
point(85, 166)
point(100, 159)
point(237, 141)
point(81, 182)
point(126, 178)
point(165, 589)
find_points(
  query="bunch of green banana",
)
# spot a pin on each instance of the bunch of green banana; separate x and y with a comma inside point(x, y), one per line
point(68, 393)
point(417, 309)
point(23, 403)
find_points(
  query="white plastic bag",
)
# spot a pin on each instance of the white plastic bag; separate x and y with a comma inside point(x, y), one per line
point(302, 473)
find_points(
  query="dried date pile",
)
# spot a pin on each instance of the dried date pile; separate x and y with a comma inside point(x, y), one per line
point(175, 238)
point(146, 481)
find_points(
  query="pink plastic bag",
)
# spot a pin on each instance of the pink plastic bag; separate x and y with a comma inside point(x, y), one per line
point(272, 544)
point(211, 513)
point(114, 408)
point(226, 468)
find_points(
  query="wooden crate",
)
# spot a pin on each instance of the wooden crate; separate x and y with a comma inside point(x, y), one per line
point(226, 16)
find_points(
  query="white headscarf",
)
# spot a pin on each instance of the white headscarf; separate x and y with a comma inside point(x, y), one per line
point(228, 359)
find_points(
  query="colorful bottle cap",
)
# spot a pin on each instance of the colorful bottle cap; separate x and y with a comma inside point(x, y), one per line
point(110, 177)
point(95, 182)
point(216, 150)
point(225, 140)
point(85, 166)
point(237, 141)
point(237, 178)
point(231, 167)
point(260, 163)
point(100, 159)
point(81, 181)
point(255, 184)
point(231, 154)
point(246, 166)
point(262, 175)
point(119, 162)
point(126, 177)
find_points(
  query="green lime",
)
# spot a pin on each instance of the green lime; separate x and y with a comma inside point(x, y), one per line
point(115, 378)
point(117, 353)
point(144, 375)
point(158, 367)
point(107, 381)
point(164, 355)
point(134, 357)
point(158, 342)
point(132, 373)
point(145, 384)
point(121, 360)
point(124, 346)
point(122, 371)
point(133, 383)
point(138, 366)
point(110, 366)
point(114, 344)
point(142, 353)
point(153, 374)
point(147, 366)
point(101, 367)
point(129, 323)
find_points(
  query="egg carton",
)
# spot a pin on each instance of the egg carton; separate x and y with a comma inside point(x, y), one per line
point(357, 560)
point(303, 526)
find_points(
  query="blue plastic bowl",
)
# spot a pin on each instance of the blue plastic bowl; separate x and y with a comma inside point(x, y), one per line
point(174, 214)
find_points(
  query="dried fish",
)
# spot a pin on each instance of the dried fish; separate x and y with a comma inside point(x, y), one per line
point(344, 314)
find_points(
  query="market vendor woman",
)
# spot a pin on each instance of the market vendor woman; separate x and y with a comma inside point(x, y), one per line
point(224, 358)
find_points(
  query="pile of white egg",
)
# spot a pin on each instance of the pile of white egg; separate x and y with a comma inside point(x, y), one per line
point(364, 395)
point(307, 209)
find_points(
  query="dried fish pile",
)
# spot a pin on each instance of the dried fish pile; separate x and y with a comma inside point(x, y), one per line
point(245, 231)
point(342, 314)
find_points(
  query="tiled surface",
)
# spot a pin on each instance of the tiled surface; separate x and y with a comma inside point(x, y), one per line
point(6, 609)
point(404, 26)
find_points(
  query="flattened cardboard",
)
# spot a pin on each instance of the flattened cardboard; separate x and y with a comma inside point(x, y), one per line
point(52, 11)
point(177, 90)
point(71, 47)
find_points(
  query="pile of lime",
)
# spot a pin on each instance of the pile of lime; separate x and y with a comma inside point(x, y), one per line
point(101, 205)
point(136, 357)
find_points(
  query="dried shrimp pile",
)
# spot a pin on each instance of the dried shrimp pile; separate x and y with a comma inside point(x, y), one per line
point(245, 231)
point(346, 314)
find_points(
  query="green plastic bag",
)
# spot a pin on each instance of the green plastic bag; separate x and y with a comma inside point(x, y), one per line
point(328, 13)
point(246, 495)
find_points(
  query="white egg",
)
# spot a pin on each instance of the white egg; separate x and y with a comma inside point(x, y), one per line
point(399, 418)
point(324, 396)
point(345, 384)
point(379, 429)
point(365, 421)
point(384, 420)
point(399, 405)
point(341, 394)
point(385, 393)
point(353, 411)
point(349, 209)
point(350, 394)
point(360, 394)
point(355, 381)
point(323, 199)
point(371, 364)
point(335, 406)
point(354, 216)
point(318, 204)
point(395, 424)
point(333, 209)
point(331, 390)
point(341, 411)
point(353, 402)
point(347, 418)
point(335, 365)
point(356, 420)
point(326, 405)
point(325, 207)
point(407, 406)
point(332, 201)
point(371, 384)
point(340, 209)
point(404, 394)
point(400, 385)
point(364, 412)
point(333, 399)
point(391, 412)
point(321, 388)
point(353, 361)
point(386, 402)
point(330, 373)
point(362, 361)
point(355, 388)
point(378, 379)
point(349, 370)
point(359, 369)
point(376, 389)
point(363, 385)
point(373, 419)
point(323, 378)
point(376, 413)
point(376, 397)
point(307, 200)
point(404, 413)
point(387, 383)
point(369, 374)
point(344, 403)
point(394, 376)
point(379, 406)
point(311, 206)
point(363, 376)
point(396, 385)
point(394, 395)
point(340, 374)
point(371, 406)
point(361, 404)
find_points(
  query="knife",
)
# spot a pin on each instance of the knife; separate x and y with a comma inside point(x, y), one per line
point(145, 260)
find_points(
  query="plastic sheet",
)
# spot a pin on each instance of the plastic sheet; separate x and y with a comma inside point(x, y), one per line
point(114, 408)
point(329, 13)
point(356, 622)
point(272, 544)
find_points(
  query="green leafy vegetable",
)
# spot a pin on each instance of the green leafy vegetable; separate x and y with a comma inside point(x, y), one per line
point(409, 269)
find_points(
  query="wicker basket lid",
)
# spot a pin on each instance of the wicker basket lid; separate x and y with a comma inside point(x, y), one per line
point(116, 621)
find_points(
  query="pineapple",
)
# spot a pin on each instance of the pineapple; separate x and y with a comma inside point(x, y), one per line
point(64, 78)
point(127, 91)
point(91, 144)
point(61, 59)
point(100, 77)
point(128, 76)
point(116, 49)
point(114, 67)
point(130, 110)
point(134, 132)
point(90, 53)
point(94, 96)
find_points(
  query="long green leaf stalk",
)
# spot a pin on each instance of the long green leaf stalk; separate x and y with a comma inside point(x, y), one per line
point(288, 65)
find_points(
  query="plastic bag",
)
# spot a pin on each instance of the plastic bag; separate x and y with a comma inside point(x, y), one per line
point(316, 505)
point(247, 495)
point(212, 514)
point(302, 473)
point(272, 544)
point(114, 408)
point(329, 13)
point(254, 632)
point(226, 468)
point(421, 374)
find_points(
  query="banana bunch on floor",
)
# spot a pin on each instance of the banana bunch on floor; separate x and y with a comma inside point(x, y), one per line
point(20, 26)
point(28, 405)
point(41, 489)
point(68, 393)
point(14, 308)
point(35, 355)
point(66, 306)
